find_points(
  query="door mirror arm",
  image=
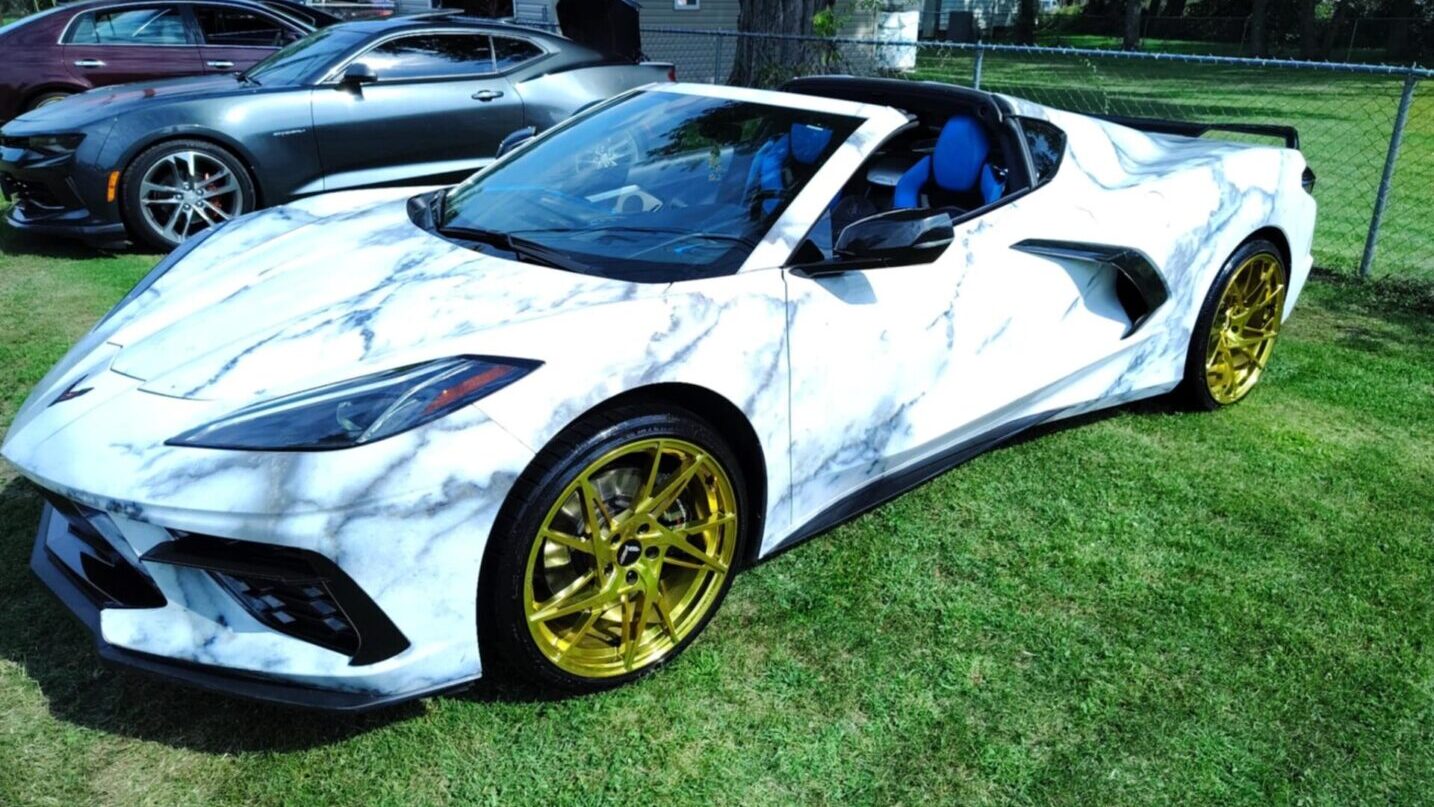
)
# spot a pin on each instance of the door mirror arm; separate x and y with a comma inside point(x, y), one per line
point(356, 76)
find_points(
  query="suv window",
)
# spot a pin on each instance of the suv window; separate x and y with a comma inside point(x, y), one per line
point(1046, 143)
point(431, 56)
point(144, 25)
point(230, 26)
point(509, 53)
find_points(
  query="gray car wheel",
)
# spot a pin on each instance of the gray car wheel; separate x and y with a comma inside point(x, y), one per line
point(178, 189)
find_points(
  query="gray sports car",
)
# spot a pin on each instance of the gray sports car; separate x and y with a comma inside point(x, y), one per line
point(362, 104)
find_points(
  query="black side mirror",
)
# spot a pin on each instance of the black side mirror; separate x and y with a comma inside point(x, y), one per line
point(515, 139)
point(356, 75)
point(895, 237)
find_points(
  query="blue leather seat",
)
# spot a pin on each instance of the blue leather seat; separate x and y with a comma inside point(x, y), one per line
point(802, 145)
point(958, 165)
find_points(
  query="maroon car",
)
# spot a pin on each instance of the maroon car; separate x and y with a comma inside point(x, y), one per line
point(79, 46)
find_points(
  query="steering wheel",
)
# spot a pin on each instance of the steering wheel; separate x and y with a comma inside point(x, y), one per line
point(616, 151)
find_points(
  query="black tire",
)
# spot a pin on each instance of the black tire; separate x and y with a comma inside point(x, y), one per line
point(508, 649)
point(46, 98)
point(131, 209)
point(1195, 388)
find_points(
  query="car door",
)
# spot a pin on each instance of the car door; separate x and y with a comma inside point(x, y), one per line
point(436, 112)
point(234, 38)
point(132, 42)
point(898, 366)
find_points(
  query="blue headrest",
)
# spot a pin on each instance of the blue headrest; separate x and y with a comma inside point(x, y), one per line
point(808, 142)
point(961, 151)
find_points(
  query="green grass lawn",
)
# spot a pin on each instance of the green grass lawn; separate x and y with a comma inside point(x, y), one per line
point(1344, 123)
point(1148, 607)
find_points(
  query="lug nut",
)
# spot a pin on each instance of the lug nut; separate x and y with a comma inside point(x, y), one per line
point(631, 576)
point(652, 551)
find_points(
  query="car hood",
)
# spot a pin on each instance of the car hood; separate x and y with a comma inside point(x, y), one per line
point(87, 107)
point(320, 291)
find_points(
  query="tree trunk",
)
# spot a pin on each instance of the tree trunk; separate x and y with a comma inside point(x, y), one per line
point(1309, 39)
point(767, 61)
point(1175, 8)
point(1132, 25)
point(1337, 24)
point(1026, 22)
point(1258, 11)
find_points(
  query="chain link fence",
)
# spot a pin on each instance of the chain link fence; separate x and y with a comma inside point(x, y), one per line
point(1376, 213)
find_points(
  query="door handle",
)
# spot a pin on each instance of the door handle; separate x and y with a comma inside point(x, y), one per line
point(487, 95)
point(221, 65)
point(89, 63)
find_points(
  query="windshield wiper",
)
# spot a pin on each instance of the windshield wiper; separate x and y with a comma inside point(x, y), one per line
point(650, 230)
point(526, 250)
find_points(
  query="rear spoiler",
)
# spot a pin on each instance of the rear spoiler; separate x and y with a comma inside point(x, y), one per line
point(1289, 134)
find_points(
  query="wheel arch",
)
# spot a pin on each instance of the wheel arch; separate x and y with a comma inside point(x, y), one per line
point(213, 138)
point(1275, 236)
point(728, 419)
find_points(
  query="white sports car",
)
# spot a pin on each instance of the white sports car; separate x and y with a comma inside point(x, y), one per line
point(365, 447)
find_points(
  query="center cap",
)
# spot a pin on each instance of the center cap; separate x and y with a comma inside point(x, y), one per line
point(628, 553)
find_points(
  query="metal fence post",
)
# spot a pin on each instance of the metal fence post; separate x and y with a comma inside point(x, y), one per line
point(976, 71)
point(717, 60)
point(1382, 197)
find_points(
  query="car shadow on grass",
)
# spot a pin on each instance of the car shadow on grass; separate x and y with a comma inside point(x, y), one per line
point(33, 245)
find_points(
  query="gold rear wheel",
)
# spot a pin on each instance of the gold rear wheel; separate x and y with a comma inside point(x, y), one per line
point(631, 558)
point(1244, 328)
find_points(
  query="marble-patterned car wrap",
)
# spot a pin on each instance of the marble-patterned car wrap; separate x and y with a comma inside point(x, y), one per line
point(844, 379)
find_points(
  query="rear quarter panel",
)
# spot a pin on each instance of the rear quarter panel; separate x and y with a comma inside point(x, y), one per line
point(1186, 203)
point(549, 98)
point(31, 63)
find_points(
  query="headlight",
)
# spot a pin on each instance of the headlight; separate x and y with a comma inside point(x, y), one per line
point(360, 411)
point(54, 145)
point(165, 264)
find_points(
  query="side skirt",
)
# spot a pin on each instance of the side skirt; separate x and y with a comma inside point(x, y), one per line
point(886, 488)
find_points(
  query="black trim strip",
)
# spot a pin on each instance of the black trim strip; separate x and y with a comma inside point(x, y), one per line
point(1130, 263)
point(1289, 134)
point(886, 488)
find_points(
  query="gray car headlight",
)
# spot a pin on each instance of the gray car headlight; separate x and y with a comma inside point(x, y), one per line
point(359, 411)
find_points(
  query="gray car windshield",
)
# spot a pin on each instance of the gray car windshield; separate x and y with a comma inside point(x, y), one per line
point(299, 60)
point(657, 187)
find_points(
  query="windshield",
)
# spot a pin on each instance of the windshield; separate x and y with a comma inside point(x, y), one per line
point(300, 59)
point(657, 187)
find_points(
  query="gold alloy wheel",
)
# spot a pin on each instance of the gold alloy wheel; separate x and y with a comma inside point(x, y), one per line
point(1242, 335)
point(631, 558)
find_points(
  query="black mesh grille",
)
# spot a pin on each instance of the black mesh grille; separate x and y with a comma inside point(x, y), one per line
point(305, 610)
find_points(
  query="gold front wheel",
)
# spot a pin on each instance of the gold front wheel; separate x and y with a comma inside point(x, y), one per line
point(1243, 326)
point(630, 558)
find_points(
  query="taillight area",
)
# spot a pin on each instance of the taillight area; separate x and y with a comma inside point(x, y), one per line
point(1307, 180)
point(672, 73)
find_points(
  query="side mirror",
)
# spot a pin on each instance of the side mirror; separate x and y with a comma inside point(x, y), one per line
point(895, 237)
point(515, 139)
point(356, 75)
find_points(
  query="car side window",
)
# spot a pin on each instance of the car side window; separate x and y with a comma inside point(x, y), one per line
point(431, 56)
point(132, 25)
point(509, 53)
point(1046, 143)
point(230, 26)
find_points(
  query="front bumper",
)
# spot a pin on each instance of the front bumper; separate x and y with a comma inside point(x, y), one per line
point(48, 196)
point(72, 590)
